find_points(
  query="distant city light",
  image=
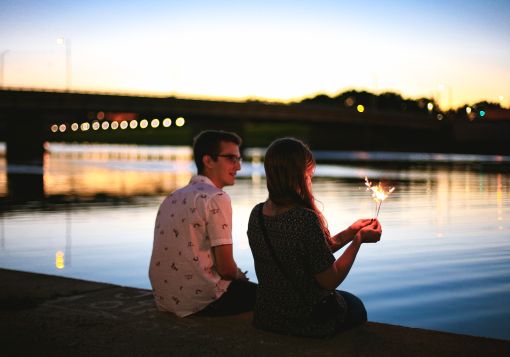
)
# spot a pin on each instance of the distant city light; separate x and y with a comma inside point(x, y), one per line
point(440, 117)
point(54, 128)
point(59, 260)
point(114, 125)
point(124, 124)
point(167, 122)
point(96, 125)
point(430, 106)
point(482, 113)
point(105, 125)
point(360, 108)
point(133, 124)
point(144, 123)
point(62, 128)
point(180, 121)
point(74, 126)
point(155, 123)
point(100, 115)
point(85, 126)
point(349, 102)
point(468, 110)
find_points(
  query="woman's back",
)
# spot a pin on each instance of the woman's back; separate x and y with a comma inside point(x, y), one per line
point(300, 245)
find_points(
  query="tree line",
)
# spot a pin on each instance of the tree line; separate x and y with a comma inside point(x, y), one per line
point(394, 102)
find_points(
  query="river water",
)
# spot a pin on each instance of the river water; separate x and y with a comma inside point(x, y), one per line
point(443, 261)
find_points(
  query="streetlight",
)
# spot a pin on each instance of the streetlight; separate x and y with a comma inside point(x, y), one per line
point(441, 87)
point(2, 61)
point(501, 99)
point(66, 42)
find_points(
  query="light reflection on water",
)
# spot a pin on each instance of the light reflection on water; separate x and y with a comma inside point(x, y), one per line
point(443, 261)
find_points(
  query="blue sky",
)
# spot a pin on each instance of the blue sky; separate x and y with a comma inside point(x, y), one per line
point(455, 51)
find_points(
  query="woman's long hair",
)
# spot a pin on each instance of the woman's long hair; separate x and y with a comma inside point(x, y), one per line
point(286, 163)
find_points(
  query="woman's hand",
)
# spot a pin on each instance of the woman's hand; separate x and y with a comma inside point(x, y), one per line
point(370, 233)
point(360, 223)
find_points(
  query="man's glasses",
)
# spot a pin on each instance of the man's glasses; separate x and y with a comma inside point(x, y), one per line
point(232, 158)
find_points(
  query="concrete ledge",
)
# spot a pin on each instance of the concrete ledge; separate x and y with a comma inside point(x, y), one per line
point(54, 316)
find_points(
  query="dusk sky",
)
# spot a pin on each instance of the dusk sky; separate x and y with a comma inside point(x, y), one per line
point(457, 52)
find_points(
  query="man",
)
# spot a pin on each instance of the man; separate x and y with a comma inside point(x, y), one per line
point(192, 267)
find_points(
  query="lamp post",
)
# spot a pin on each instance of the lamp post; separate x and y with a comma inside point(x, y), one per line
point(66, 42)
point(2, 63)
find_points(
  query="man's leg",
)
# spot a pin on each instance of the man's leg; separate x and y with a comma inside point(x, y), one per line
point(239, 297)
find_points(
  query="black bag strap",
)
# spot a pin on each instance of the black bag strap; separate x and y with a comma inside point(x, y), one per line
point(273, 254)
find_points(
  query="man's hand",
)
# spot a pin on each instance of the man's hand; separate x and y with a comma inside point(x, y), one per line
point(241, 275)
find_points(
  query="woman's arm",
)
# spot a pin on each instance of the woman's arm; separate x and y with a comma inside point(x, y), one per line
point(338, 271)
point(347, 235)
point(341, 239)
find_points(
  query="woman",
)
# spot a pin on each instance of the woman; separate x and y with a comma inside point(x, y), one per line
point(292, 249)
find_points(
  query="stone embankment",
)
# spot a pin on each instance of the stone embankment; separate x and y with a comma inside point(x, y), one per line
point(52, 316)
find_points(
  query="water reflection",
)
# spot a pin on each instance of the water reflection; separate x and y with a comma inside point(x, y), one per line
point(443, 262)
point(119, 171)
point(97, 170)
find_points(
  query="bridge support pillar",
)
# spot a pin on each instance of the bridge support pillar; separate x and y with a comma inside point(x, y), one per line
point(24, 155)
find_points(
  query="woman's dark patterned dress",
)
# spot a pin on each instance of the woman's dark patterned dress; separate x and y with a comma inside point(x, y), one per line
point(302, 249)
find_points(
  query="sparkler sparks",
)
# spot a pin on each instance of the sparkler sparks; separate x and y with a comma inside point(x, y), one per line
point(379, 194)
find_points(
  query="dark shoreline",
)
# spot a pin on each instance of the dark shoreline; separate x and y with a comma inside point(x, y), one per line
point(48, 315)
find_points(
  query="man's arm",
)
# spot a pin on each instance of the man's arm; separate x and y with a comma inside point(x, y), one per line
point(225, 264)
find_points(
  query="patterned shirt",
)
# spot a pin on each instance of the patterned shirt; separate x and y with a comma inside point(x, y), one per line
point(190, 221)
point(300, 245)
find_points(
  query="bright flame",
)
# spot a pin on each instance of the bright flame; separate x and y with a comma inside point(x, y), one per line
point(379, 193)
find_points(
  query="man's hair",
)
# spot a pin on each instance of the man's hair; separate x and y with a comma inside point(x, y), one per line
point(208, 142)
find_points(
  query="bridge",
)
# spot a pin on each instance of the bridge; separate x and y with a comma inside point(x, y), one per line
point(29, 118)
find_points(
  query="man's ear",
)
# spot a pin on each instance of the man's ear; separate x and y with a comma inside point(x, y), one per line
point(207, 160)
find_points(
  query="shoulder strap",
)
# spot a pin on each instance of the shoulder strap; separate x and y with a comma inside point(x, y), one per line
point(271, 250)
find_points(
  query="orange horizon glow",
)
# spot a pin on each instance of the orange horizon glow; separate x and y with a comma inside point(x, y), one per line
point(267, 51)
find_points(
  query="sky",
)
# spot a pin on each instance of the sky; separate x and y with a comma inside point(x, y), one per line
point(456, 52)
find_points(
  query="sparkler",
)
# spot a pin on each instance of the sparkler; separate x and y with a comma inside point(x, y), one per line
point(379, 194)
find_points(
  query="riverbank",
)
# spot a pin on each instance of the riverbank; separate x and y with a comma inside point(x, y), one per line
point(49, 315)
